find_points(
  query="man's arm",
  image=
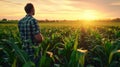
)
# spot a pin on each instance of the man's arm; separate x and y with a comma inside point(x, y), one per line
point(36, 31)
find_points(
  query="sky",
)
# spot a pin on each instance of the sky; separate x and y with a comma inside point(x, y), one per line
point(61, 9)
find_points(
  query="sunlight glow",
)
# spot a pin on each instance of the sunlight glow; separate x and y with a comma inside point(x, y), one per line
point(90, 15)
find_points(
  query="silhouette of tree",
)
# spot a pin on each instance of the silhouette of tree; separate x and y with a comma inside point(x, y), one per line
point(4, 19)
point(116, 20)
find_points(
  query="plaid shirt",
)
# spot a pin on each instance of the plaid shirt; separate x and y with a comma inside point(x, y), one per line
point(28, 27)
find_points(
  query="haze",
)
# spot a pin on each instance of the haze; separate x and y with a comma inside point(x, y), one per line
point(62, 9)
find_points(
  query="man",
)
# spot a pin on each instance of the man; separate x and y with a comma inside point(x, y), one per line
point(29, 31)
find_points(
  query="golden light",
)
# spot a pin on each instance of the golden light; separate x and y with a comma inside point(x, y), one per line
point(90, 15)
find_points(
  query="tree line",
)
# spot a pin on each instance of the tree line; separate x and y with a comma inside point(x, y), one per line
point(4, 20)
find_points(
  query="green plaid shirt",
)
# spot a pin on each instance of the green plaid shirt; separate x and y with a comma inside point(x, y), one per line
point(28, 27)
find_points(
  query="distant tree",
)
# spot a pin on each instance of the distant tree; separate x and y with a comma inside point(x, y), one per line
point(116, 20)
point(4, 19)
point(46, 20)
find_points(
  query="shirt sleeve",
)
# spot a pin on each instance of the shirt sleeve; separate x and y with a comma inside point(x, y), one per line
point(34, 27)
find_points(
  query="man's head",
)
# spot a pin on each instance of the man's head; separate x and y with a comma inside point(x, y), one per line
point(29, 9)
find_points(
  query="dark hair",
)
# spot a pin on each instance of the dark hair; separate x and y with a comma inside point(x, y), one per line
point(28, 7)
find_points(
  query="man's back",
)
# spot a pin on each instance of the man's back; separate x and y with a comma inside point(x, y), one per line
point(28, 27)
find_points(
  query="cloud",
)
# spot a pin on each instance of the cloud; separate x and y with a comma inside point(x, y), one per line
point(55, 5)
point(116, 4)
point(60, 8)
point(11, 2)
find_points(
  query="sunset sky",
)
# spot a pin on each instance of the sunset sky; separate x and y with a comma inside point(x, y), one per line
point(62, 9)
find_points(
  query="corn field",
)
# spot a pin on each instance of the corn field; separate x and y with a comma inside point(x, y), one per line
point(63, 46)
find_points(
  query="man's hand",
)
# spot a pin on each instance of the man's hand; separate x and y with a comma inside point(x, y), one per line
point(39, 38)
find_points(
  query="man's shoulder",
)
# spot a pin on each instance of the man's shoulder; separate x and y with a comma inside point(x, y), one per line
point(27, 19)
point(33, 20)
point(21, 20)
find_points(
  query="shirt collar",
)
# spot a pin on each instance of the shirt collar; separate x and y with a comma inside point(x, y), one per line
point(28, 15)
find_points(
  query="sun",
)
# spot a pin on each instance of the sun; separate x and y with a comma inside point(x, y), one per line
point(90, 15)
